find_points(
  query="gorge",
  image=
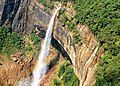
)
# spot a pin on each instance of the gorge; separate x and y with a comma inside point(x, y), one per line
point(74, 48)
point(79, 55)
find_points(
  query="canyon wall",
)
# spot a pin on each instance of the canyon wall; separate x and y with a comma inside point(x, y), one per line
point(1, 7)
point(84, 57)
point(29, 16)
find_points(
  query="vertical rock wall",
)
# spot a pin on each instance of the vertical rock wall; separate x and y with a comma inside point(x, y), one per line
point(1, 7)
point(9, 11)
point(27, 15)
point(23, 15)
point(84, 57)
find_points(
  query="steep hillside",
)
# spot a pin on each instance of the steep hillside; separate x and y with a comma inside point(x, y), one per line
point(103, 18)
point(85, 45)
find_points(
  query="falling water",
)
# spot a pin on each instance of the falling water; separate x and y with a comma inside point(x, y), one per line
point(41, 67)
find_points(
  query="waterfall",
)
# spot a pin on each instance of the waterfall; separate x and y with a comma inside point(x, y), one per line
point(41, 67)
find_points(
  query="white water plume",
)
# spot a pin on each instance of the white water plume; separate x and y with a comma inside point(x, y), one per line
point(41, 67)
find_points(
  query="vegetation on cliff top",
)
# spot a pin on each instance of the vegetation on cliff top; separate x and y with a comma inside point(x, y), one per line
point(103, 18)
point(11, 42)
point(47, 3)
point(71, 26)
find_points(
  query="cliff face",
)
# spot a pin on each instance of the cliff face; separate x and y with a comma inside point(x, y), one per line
point(28, 16)
point(1, 7)
point(10, 10)
point(23, 15)
point(84, 57)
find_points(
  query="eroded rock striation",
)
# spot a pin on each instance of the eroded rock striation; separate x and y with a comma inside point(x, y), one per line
point(28, 16)
point(84, 57)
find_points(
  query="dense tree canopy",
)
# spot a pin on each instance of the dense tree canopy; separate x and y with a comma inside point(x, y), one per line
point(66, 76)
point(103, 18)
point(9, 41)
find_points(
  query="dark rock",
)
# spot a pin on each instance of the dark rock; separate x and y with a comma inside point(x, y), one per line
point(10, 10)
point(0, 63)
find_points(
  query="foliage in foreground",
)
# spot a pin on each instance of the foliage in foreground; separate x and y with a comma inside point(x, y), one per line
point(9, 41)
point(66, 76)
point(108, 72)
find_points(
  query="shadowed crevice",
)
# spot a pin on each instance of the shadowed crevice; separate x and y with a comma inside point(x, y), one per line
point(54, 61)
point(54, 43)
point(10, 10)
point(59, 47)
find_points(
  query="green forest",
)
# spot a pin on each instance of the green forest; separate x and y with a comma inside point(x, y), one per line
point(65, 76)
point(12, 42)
point(103, 19)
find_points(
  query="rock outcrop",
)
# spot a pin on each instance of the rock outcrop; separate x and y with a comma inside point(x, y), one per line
point(31, 16)
point(84, 57)
point(15, 68)
point(23, 15)
point(1, 7)
point(10, 10)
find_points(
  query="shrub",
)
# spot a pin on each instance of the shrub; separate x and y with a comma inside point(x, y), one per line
point(28, 48)
point(76, 38)
point(56, 82)
point(47, 3)
point(10, 41)
point(35, 38)
point(61, 70)
point(67, 75)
